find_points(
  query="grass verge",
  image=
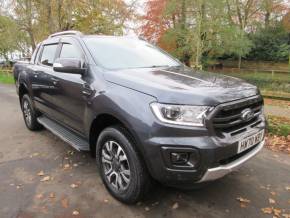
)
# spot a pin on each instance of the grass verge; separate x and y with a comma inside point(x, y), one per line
point(278, 138)
point(6, 78)
point(278, 126)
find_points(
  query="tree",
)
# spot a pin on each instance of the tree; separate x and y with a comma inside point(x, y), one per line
point(155, 22)
point(10, 38)
point(273, 10)
point(270, 44)
point(286, 25)
point(25, 16)
point(102, 17)
point(195, 29)
point(243, 13)
point(39, 18)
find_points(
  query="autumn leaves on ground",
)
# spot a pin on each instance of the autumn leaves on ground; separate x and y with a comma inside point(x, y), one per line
point(278, 137)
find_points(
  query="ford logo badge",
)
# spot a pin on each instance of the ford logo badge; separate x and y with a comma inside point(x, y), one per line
point(247, 114)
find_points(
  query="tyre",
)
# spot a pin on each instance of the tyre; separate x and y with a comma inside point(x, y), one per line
point(122, 170)
point(29, 113)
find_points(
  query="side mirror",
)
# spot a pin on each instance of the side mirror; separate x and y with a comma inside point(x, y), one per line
point(69, 65)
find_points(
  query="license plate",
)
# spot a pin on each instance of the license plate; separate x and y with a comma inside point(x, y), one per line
point(250, 141)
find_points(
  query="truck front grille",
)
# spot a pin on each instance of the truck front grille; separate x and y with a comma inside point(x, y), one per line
point(228, 118)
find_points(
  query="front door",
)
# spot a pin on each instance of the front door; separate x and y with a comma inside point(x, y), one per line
point(71, 101)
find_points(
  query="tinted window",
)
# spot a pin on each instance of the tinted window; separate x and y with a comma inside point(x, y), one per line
point(122, 52)
point(70, 51)
point(48, 53)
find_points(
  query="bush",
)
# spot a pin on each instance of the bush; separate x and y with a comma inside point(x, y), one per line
point(270, 44)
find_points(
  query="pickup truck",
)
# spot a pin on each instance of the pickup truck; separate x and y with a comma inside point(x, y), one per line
point(141, 113)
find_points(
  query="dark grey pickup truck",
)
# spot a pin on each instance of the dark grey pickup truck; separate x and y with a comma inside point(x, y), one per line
point(143, 115)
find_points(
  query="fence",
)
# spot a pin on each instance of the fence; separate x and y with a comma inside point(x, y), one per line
point(254, 70)
point(6, 71)
point(272, 83)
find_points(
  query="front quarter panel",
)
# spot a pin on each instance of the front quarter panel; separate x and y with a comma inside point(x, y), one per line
point(131, 107)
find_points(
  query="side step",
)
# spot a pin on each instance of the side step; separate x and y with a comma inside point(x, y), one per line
point(65, 134)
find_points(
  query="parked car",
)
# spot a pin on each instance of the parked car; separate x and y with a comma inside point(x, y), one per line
point(143, 115)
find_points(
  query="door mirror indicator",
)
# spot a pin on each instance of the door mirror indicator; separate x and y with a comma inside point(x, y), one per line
point(69, 65)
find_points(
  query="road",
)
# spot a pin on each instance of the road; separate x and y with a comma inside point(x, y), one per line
point(74, 185)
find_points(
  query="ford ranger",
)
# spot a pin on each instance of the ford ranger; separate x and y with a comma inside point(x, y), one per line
point(143, 114)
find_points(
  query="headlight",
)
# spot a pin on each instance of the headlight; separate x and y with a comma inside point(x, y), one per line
point(180, 114)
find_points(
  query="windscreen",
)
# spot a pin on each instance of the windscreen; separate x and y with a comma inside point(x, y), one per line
point(123, 53)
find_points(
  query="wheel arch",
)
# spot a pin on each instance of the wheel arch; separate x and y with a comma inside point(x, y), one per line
point(22, 90)
point(103, 121)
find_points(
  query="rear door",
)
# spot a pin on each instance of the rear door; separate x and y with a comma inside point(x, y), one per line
point(42, 79)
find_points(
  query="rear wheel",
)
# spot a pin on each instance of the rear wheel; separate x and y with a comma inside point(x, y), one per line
point(122, 170)
point(29, 113)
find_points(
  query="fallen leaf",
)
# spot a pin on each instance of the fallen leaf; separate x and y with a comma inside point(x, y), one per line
point(175, 206)
point(243, 205)
point(41, 173)
point(286, 215)
point(147, 208)
point(34, 154)
point(277, 212)
point(39, 196)
point(75, 213)
point(287, 188)
point(75, 165)
point(44, 179)
point(52, 195)
point(74, 185)
point(64, 203)
point(106, 200)
point(66, 166)
point(267, 210)
point(273, 193)
point(243, 200)
point(272, 201)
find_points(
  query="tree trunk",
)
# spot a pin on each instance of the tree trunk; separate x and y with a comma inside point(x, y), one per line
point(267, 19)
point(49, 19)
point(59, 6)
point(32, 40)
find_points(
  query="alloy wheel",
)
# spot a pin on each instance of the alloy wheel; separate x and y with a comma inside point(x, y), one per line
point(115, 165)
point(27, 112)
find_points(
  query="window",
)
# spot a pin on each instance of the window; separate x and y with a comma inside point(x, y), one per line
point(70, 51)
point(48, 53)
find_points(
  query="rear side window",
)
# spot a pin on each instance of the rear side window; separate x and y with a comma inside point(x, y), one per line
point(70, 51)
point(48, 54)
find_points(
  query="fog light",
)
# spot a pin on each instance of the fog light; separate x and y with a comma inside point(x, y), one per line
point(179, 158)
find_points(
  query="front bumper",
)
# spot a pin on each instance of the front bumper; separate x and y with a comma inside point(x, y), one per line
point(216, 158)
point(218, 172)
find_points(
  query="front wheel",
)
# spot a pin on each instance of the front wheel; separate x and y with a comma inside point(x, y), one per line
point(29, 113)
point(122, 170)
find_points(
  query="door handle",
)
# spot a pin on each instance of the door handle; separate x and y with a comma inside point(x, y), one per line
point(35, 73)
point(87, 90)
point(54, 81)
